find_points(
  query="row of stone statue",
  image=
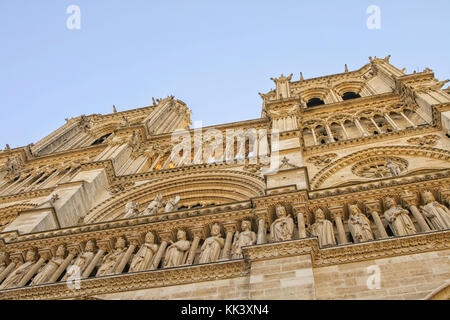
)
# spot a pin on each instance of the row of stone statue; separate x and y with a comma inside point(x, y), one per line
point(168, 253)
point(148, 257)
point(132, 208)
point(431, 216)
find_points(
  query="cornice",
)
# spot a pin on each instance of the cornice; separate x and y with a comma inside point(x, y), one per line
point(133, 281)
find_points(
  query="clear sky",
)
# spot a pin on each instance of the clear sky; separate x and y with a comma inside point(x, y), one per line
point(215, 56)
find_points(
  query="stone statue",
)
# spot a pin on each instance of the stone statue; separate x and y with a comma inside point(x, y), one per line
point(45, 272)
point(393, 167)
point(437, 214)
point(172, 204)
point(14, 278)
point(143, 258)
point(177, 252)
point(154, 206)
point(3, 259)
point(131, 210)
point(323, 229)
point(81, 262)
point(212, 246)
point(245, 238)
point(398, 218)
point(359, 225)
point(112, 259)
point(283, 227)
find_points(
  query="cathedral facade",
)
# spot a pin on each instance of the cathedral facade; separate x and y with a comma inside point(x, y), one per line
point(340, 190)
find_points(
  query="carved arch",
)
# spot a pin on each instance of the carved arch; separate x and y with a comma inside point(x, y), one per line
point(216, 186)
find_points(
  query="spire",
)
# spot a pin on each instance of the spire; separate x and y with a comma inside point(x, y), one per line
point(114, 109)
point(346, 68)
point(301, 77)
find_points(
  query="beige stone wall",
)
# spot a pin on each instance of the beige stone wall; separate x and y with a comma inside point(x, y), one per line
point(284, 278)
point(404, 277)
point(230, 289)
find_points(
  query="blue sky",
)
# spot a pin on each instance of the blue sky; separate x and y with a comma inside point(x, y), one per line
point(215, 56)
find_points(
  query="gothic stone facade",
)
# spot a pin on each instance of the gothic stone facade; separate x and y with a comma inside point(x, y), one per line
point(343, 194)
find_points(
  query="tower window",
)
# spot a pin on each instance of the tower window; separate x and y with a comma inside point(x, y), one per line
point(315, 102)
point(350, 95)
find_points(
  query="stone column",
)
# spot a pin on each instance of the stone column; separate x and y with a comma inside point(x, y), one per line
point(300, 212)
point(376, 126)
point(407, 119)
point(337, 214)
point(103, 246)
point(134, 241)
point(361, 129)
point(409, 200)
point(44, 255)
point(165, 238)
point(74, 250)
point(392, 123)
point(330, 134)
point(345, 131)
point(262, 216)
point(373, 207)
point(313, 131)
point(198, 234)
point(230, 229)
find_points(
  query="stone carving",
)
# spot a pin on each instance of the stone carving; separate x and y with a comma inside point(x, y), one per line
point(323, 229)
point(177, 252)
point(154, 206)
point(131, 210)
point(428, 140)
point(435, 213)
point(322, 160)
point(14, 278)
point(3, 260)
point(212, 246)
point(13, 168)
point(172, 204)
point(398, 218)
point(241, 239)
point(112, 260)
point(359, 225)
point(380, 167)
point(81, 262)
point(393, 167)
point(143, 258)
point(46, 271)
point(283, 227)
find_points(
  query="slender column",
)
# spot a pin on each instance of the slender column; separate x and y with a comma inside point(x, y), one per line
point(198, 234)
point(230, 228)
point(262, 216)
point(393, 124)
point(330, 135)
point(373, 207)
point(104, 246)
point(313, 131)
point(74, 250)
point(337, 213)
point(46, 181)
point(300, 211)
point(409, 201)
point(376, 126)
point(361, 129)
point(165, 238)
point(407, 119)
point(345, 131)
point(44, 256)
